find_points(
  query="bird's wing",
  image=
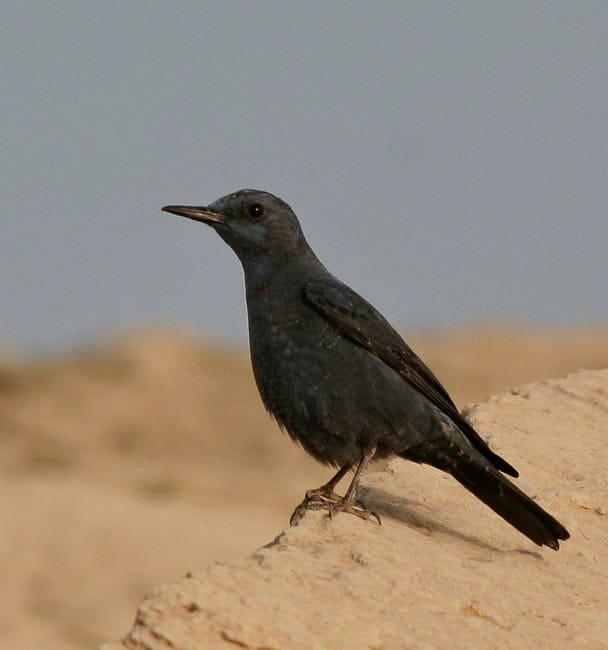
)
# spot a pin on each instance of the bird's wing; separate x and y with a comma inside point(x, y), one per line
point(355, 318)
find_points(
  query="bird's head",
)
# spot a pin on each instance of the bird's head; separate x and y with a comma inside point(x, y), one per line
point(253, 223)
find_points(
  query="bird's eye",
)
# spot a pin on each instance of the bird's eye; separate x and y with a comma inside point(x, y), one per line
point(256, 210)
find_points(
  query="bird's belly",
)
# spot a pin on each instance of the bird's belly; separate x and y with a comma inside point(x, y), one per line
point(334, 397)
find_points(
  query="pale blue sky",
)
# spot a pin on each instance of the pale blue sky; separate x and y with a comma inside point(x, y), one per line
point(448, 160)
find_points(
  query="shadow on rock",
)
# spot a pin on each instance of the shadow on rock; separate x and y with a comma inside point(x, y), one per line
point(408, 512)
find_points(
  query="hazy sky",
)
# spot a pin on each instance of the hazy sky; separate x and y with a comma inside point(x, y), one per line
point(448, 160)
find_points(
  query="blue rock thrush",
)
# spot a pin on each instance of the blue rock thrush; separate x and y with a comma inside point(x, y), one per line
point(340, 380)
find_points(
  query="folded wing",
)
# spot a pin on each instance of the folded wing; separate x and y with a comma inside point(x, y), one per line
point(356, 319)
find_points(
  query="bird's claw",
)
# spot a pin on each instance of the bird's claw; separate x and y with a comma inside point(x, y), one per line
point(319, 500)
point(313, 500)
point(354, 508)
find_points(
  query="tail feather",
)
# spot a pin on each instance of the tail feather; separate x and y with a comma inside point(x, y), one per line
point(512, 505)
point(449, 453)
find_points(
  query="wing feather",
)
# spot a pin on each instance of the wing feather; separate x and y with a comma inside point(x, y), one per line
point(356, 319)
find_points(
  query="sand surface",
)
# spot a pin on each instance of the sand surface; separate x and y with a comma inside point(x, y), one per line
point(441, 572)
point(128, 464)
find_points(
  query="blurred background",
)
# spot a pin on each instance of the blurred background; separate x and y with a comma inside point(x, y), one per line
point(446, 160)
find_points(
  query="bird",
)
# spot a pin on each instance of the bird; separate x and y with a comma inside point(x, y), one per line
point(340, 380)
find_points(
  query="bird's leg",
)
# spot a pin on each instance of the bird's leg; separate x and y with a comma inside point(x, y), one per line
point(348, 502)
point(320, 497)
point(324, 498)
point(327, 491)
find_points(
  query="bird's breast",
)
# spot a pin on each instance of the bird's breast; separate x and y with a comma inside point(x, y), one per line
point(291, 349)
point(324, 389)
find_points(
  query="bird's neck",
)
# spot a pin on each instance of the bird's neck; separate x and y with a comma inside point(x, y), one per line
point(279, 272)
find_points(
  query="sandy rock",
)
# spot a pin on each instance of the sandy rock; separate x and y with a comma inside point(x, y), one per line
point(443, 571)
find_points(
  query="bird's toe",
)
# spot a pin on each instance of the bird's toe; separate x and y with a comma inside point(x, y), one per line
point(317, 499)
point(334, 504)
point(354, 508)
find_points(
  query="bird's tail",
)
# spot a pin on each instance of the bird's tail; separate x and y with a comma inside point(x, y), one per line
point(497, 492)
point(512, 505)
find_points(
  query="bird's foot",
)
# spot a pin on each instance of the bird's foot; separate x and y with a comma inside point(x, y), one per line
point(317, 499)
point(320, 499)
point(354, 508)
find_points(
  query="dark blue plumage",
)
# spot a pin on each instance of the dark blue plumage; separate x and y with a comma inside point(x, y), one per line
point(339, 379)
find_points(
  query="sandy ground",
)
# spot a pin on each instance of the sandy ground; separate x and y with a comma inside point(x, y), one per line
point(442, 571)
point(129, 463)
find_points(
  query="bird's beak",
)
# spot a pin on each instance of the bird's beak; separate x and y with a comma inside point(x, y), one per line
point(198, 213)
